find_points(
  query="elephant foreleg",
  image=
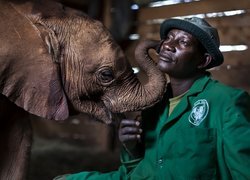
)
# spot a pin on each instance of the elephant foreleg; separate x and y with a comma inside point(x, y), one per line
point(15, 141)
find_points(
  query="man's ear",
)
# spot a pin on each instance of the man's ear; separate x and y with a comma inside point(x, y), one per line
point(207, 58)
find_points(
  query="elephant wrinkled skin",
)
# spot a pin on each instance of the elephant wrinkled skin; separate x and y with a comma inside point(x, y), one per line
point(54, 61)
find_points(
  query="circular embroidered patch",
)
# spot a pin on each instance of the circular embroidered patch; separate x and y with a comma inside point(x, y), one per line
point(199, 112)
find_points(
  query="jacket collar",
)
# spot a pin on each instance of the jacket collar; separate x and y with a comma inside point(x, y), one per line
point(196, 88)
point(199, 84)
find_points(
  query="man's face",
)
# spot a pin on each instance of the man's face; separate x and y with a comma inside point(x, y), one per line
point(180, 54)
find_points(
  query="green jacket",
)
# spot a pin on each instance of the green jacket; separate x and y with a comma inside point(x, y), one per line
point(207, 136)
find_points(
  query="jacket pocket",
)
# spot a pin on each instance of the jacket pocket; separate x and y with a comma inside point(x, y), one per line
point(193, 152)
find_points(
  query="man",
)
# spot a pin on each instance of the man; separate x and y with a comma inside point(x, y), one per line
point(201, 128)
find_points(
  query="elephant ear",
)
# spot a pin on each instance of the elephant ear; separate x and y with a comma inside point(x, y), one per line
point(29, 77)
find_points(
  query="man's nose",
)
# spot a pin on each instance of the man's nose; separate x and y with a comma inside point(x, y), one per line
point(169, 46)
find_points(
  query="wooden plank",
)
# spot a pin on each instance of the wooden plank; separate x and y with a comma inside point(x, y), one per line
point(199, 7)
point(233, 36)
point(237, 32)
point(237, 58)
point(242, 20)
point(106, 14)
point(237, 76)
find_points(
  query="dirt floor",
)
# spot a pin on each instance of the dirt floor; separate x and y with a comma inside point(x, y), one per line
point(64, 153)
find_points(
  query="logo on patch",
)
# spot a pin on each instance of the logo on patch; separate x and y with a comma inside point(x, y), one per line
point(199, 112)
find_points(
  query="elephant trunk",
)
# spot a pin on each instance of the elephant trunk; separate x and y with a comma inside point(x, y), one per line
point(142, 95)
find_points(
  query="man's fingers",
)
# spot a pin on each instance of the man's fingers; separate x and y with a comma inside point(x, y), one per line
point(129, 122)
point(130, 137)
point(130, 130)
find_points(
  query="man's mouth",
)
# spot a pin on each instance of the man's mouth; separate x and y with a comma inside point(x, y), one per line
point(166, 59)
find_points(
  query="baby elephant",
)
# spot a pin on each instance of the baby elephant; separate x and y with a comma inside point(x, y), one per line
point(55, 61)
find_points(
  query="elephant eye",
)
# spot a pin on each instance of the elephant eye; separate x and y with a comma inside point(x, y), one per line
point(106, 75)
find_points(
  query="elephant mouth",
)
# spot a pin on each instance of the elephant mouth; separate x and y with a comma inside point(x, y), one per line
point(111, 118)
point(112, 115)
point(115, 118)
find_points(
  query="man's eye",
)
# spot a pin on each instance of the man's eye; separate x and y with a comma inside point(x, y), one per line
point(168, 37)
point(183, 42)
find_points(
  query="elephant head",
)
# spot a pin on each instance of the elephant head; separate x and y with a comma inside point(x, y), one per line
point(57, 60)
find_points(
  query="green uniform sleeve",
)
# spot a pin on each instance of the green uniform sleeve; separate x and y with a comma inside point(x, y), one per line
point(128, 164)
point(128, 161)
point(236, 137)
point(94, 175)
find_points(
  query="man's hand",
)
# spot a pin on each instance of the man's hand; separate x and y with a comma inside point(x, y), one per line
point(130, 136)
